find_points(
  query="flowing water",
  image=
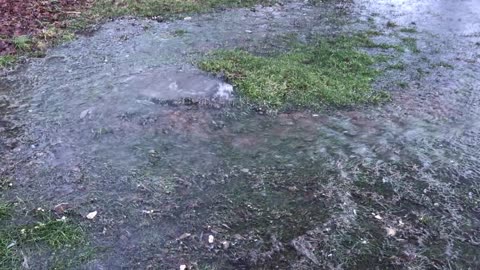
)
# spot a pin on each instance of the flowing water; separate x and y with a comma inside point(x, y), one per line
point(122, 122)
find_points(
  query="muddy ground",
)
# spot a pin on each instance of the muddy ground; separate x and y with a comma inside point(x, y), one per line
point(123, 123)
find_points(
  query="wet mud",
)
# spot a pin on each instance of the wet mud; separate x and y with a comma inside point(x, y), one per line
point(122, 122)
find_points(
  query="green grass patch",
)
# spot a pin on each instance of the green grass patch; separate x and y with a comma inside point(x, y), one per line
point(164, 8)
point(408, 30)
point(372, 33)
point(67, 36)
point(364, 40)
point(22, 43)
point(331, 71)
point(5, 210)
point(7, 60)
point(45, 233)
point(9, 259)
point(384, 46)
point(55, 233)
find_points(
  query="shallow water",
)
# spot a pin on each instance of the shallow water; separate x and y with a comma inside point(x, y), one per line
point(123, 123)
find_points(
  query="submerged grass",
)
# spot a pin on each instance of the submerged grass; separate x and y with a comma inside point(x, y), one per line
point(179, 32)
point(391, 24)
point(398, 66)
point(411, 44)
point(408, 30)
point(331, 71)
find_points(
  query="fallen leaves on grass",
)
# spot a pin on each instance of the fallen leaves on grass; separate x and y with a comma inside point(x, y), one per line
point(22, 18)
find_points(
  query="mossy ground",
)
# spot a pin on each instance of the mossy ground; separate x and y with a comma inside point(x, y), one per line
point(333, 71)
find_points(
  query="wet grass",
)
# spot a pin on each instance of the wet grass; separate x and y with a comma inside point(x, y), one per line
point(411, 44)
point(7, 60)
point(354, 221)
point(331, 71)
point(402, 85)
point(164, 8)
point(4, 210)
point(179, 32)
point(391, 24)
point(35, 45)
point(5, 183)
point(372, 33)
point(408, 30)
point(397, 66)
point(384, 46)
point(43, 233)
point(55, 233)
point(443, 65)
point(22, 43)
